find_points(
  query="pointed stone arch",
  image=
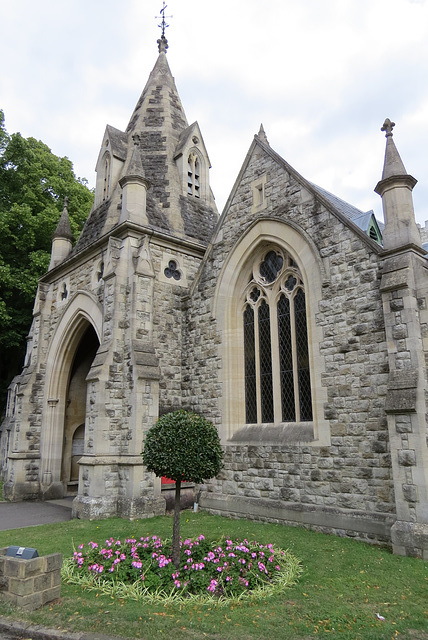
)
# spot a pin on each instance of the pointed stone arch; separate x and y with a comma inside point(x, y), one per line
point(227, 309)
point(82, 312)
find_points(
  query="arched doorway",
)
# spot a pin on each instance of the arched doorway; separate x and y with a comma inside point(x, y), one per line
point(75, 410)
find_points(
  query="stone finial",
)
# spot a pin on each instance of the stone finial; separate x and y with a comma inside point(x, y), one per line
point(262, 135)
point(388, 127)
point(162, 44)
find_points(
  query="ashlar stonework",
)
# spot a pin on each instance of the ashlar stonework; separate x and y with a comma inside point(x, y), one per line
point(295, 322)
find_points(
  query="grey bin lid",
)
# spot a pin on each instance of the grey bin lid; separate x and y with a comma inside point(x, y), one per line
point(22, 553)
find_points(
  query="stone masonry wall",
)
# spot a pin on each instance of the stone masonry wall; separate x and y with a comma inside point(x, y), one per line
point(168, 329)
point(355, 471)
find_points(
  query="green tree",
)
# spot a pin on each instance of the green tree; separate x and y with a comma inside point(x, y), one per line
point(182, 446)
point(33, 184)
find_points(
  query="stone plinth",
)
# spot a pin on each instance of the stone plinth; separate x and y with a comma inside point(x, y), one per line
point(29, 584)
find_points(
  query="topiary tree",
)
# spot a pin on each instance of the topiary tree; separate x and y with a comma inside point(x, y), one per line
point(183, 446)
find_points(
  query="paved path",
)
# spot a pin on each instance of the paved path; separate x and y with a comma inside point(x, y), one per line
point(16, 515)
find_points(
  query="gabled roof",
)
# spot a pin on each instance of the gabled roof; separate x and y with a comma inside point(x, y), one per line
point(118, 141)
point(191, 131)
point(346, 213)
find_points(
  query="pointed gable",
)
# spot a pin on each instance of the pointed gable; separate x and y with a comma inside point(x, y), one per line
point(262, 163)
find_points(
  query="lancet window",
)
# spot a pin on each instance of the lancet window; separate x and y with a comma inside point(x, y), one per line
point(276, 354)
point(193, 176)
point(106, 184)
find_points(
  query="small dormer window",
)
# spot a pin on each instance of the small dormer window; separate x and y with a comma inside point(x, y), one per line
point(374, 232)
point(193, 176)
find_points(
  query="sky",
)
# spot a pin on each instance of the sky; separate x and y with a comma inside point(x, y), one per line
point(320, 75)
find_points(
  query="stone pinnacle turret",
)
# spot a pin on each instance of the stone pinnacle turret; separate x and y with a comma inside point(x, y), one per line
point(395, 189)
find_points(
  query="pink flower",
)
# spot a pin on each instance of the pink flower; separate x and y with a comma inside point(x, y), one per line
point(212, 586)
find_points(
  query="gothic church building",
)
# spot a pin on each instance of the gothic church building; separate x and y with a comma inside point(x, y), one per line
point(294, 321)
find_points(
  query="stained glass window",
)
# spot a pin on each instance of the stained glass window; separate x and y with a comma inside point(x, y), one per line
point(276, 353)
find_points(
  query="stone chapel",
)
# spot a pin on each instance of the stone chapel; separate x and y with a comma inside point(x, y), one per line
point(295, 322)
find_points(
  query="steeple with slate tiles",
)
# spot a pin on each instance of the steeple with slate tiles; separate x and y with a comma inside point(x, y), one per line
point(179, 199)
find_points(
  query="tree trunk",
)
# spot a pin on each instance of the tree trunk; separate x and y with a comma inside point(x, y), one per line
point(176, 527)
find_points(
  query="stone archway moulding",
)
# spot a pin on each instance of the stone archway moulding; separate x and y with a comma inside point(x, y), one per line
point(226, 311)
point(82, 310)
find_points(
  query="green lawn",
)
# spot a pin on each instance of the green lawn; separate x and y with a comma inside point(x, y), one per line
point(343, 586)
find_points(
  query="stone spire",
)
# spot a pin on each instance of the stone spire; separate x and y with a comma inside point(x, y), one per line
point(393, 165)
point(62, 238)
point(63, 229)
point(395, 189)
point(159, 98)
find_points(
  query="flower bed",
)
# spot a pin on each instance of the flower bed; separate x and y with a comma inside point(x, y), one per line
point(220, 570)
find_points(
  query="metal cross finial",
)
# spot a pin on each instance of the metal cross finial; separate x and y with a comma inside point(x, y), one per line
point(388, 127)
point(163, 25)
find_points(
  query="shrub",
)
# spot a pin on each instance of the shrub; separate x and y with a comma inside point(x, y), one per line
point(183, 446)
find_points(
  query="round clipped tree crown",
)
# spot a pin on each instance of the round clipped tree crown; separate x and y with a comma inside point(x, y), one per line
point(183, 445)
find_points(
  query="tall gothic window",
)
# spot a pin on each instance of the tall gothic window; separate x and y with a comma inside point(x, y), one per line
point(276, 355)
point(193, 176)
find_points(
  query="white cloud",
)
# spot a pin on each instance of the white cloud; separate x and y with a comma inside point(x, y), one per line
point(320, 74)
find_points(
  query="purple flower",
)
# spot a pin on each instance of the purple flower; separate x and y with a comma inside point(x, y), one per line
point(212, 586)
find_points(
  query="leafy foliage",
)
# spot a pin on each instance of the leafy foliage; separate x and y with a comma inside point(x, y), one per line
point(33, 184)
point(183, 446)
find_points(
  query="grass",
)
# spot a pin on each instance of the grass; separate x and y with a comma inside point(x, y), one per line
point(344, 585)
point(1, 491)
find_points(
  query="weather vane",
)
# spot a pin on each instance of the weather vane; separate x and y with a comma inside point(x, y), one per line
point(163, 25)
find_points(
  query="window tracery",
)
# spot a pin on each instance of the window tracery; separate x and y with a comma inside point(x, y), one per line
point(276, 355)
point(193, 176)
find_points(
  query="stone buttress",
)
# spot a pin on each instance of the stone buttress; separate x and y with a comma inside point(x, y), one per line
point(404, 287)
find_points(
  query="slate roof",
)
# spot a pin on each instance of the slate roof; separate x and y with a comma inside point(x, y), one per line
point(93, 228)
point(361, 218)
